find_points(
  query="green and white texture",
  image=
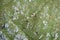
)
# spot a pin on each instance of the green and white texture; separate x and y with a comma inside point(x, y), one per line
point(30, 19)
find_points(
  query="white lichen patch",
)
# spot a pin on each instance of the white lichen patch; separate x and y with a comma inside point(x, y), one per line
point(16, 9)
point(46, 8)
point(41, 36)
point(21, 12)
point(6, 25)
point(15, 17)
point(45, 22)
point(56, 36)
point(28, 17)
point(30, 0)
point(20, 37)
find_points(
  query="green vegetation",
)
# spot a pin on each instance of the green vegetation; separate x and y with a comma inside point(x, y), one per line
point(30, 19)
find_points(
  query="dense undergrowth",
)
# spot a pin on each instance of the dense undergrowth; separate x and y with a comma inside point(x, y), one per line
point(29, 19)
